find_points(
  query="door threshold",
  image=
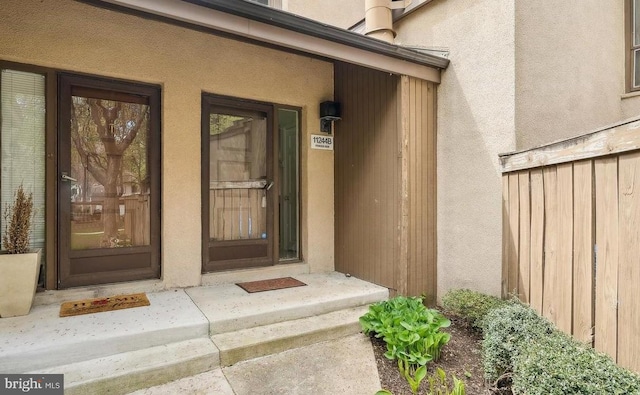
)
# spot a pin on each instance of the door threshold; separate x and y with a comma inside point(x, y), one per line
point(254, 274)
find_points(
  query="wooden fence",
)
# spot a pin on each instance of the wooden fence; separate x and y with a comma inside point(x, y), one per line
point(571, 236)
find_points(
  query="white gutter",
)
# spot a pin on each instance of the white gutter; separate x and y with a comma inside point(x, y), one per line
point(244, 27)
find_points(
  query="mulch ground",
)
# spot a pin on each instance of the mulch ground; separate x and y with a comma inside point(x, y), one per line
point(460, 357)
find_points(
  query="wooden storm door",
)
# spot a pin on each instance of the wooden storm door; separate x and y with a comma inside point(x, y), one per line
point(108, 181)
point(237, 184)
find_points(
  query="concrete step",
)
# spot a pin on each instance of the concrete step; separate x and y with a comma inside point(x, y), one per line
point(42, 339)
point(229, 308)
point(133, 370)
point(270, 339)
point(178, 335)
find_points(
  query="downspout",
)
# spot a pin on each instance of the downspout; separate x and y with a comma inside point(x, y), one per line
point(379, 18)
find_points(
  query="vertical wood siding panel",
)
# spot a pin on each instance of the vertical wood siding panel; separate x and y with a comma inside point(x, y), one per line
point(514, 217)
point(413, 206)
point(606, 317)
point(583, 251)
point(564, 273)
point(506, 235)
point(629, 264)
point(403, 152)
point(418, 212)
point(366, 171)
point(537, 241)
point(433, 187)
point(550, 243)
point(525, 236)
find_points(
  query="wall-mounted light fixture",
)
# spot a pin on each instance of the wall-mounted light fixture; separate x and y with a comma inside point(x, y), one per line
point(329, 112)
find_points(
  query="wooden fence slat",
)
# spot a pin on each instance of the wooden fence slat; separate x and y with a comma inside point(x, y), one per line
point(514, 217)
point(583, 251)
point(606, 319)
point(564, 263)
point(525, 236)
point(505, 235)
point(629, 264)
point(550, 242)
point(537, 241)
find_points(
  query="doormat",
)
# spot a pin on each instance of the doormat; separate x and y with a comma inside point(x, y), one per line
point(98, 305)
point(270, 285)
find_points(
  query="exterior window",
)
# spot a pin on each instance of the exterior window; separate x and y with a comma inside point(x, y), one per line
point(633, 45)
point(23, 142)
point(288, 159)
point(271, 3)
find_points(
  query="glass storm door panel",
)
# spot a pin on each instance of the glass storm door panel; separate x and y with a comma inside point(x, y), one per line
point(108, 200)
point(239, 186)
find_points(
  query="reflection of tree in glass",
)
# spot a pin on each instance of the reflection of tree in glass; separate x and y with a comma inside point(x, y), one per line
point(108, 135)
point(219, 123)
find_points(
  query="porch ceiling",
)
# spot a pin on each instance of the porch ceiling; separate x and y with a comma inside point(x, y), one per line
point(263, 24)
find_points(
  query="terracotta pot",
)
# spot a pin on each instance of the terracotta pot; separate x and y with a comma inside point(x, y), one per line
point(18, 282)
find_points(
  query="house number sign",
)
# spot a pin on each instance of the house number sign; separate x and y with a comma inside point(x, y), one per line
point(319, 141)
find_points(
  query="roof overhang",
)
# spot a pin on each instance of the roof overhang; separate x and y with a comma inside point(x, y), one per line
point(277, 28)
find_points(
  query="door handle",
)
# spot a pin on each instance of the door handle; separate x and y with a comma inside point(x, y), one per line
point(268, 185)
point(65, 177)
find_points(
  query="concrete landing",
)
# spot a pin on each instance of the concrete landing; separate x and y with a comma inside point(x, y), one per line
point(186, 332)
point(230, 308)
point(42, 340)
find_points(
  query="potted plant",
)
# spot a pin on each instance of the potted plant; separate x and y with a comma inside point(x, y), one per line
point(18, 264)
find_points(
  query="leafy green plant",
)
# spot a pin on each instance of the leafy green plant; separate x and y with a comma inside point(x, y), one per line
point(439, 385)
point(414, 374)
point(471, 305)
point(411, 332)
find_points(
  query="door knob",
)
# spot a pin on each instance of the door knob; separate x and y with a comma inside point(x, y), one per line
point(65, 177)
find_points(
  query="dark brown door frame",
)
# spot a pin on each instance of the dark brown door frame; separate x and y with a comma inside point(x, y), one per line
point(117, 261)
point(231, 103)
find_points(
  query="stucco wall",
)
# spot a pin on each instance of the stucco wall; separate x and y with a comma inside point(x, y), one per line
point(78, 37)
point(475, 123)
point(569, 68)
point(338, 13)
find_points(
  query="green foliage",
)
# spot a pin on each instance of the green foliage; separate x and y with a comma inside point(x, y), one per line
point(439, 385)
point(411, 331)
point(507, 330)
point(414, 374)
point(558, 365)
point(384, 392)
point(471, 305)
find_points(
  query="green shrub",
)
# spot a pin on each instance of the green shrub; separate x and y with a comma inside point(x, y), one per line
point(507, 330)
point(411, 331)
point(559, 365)
point(471, 305)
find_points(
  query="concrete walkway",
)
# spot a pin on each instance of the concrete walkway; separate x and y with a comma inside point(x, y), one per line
point(343, 366)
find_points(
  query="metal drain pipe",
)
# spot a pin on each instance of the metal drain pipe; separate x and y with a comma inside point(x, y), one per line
point(379, 18)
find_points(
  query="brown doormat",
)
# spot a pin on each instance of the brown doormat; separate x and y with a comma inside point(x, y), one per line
point(270, 285)
point(98, 305)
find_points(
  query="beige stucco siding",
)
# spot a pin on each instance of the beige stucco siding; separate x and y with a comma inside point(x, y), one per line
point(475, 123)
point(340, 13)
point(569, 68)
point(81, 38)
